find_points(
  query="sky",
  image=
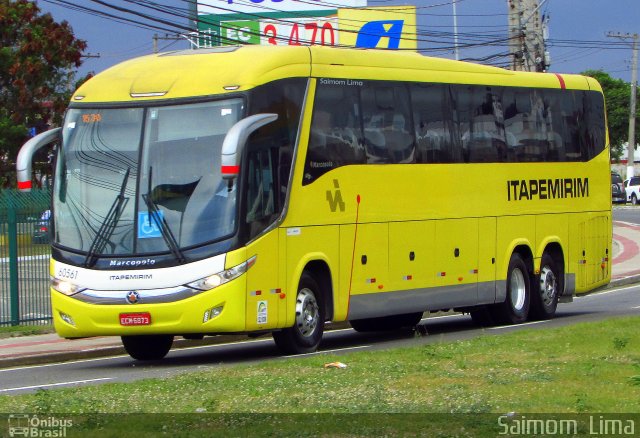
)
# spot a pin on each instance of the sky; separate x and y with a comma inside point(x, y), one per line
point(577, 30)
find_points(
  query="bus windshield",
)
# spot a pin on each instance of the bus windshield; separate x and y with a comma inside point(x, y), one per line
point(144, 180)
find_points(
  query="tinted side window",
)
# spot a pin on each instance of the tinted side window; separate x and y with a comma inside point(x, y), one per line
point(336, 137)
point(594, 112)
point(387, 123)
point(481, 120)
point(270, 151)
point(436, 128)
point(528, 127)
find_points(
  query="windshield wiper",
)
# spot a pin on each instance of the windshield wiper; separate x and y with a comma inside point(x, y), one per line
point(162, 224)
point(108, 225)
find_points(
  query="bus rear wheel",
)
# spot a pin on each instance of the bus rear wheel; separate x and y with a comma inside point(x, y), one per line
point(387, 323)
point(306, 333)
point(515, 308)
point(147, 347)
point(544, 299)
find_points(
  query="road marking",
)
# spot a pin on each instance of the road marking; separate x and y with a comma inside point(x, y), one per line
point(516, 325)
point(55, 364)
point(49, 385)
point(637, 307)
point(597, 294)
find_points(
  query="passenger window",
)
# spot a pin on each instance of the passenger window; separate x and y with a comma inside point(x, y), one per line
point(387, 124)
point(594, 114)
point(437, 138)
point(571, 116)
point(336, 138)
point(482, 124)
point(527, 125)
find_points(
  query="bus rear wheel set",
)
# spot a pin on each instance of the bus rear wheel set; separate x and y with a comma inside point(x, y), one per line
point(529, 296)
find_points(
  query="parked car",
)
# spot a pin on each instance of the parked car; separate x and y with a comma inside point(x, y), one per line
point(632, 189)
point(41, 229)
point(618, 195)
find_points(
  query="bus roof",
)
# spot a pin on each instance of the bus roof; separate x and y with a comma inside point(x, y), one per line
point(220, 70)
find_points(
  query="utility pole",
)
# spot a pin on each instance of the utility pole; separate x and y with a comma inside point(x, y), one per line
point(455, 30)
point(631, 145)
point(166, 36)
point(527, 46)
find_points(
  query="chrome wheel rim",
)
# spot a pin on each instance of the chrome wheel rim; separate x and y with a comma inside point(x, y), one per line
point(307, 312)
point(548, 286)
point(517, 289)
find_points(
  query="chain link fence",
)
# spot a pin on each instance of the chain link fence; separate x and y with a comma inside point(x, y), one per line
point(24, 257)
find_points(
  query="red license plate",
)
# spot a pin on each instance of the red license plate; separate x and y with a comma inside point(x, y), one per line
point(135, 318)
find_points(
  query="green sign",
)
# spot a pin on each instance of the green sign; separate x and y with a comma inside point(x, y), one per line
point(240, 32)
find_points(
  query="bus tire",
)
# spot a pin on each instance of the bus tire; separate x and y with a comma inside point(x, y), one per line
point(306, 333)
point(387, 323)
point(515, 308)
point(147, 347)
point(544, 299)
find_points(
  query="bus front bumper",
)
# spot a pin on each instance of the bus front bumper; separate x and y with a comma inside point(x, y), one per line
point(219, 310)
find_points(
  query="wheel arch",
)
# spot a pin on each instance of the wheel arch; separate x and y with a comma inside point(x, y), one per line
point(554, 249)
point(316, 265)
point(523, 249)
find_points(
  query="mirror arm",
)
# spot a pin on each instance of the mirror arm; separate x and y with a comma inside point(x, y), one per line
point(235, 141)
point(26, 153)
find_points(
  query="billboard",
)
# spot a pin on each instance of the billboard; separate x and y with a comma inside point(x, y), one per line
point(389, 27)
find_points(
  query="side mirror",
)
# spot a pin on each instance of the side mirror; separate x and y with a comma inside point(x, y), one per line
point(25, 156)
point(235, 141)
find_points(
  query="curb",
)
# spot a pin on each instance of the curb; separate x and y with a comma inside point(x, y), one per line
point(624, 281)
point(117, 350)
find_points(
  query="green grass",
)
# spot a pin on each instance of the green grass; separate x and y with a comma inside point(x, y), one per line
point(10, 331)
point(583, 368)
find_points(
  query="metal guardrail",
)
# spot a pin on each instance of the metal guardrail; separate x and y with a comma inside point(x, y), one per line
point(24, 258)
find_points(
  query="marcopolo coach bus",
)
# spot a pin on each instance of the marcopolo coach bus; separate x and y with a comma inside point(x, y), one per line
point(271, 189)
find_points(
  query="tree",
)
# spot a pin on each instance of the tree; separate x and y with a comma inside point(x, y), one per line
point(38, 58)
point(617, 95)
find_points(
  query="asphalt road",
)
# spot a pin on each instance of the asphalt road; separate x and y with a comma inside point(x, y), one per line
point(604, 305)
point(627, 213)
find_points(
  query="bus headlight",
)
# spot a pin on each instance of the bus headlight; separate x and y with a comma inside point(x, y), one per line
point(65, 287)
point(215, 280)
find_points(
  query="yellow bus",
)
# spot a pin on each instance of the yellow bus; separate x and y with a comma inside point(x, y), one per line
point(272, 189)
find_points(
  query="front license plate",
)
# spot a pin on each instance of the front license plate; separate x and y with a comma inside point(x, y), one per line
point(135, 318)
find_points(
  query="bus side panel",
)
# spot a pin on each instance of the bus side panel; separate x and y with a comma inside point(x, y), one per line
point(263, 284)
point(512, 231)
point(371, 264)
point(590, 248)
point(486, 260)
point(457, 254)
point(551, 228)
point(411, 255)
point(305, 245)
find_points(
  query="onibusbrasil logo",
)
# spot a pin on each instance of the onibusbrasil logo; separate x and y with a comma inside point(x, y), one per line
point(25, 425)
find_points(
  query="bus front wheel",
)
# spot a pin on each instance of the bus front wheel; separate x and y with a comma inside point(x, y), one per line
point(306, 333)
point(147, 347)
point(515, 308)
